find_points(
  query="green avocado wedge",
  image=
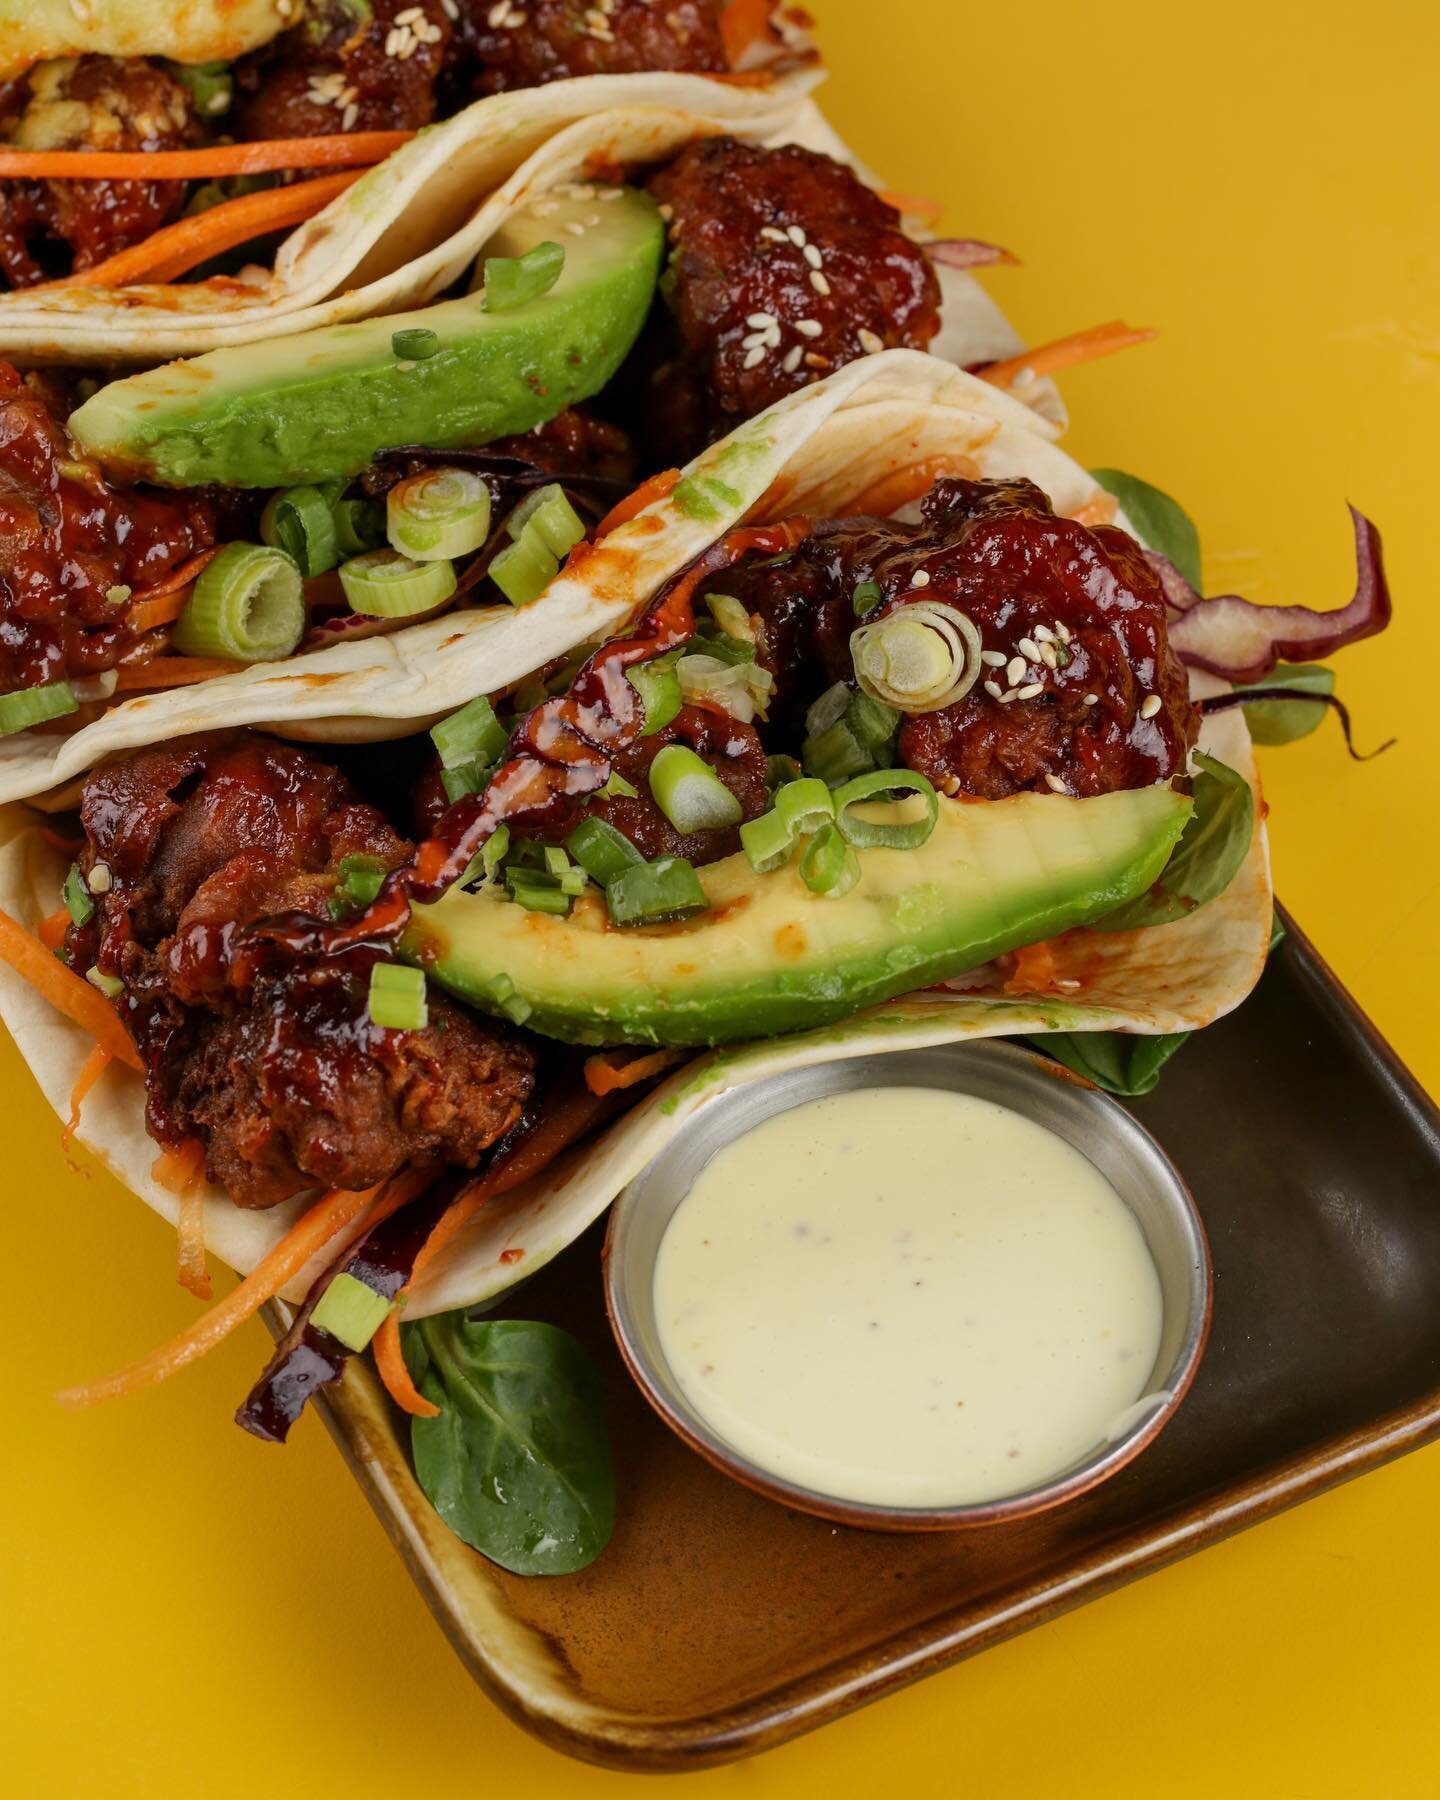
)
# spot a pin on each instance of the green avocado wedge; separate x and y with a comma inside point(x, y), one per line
point(772, 957)
point(318, 405)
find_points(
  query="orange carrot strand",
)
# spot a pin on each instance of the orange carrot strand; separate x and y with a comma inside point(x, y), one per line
point(1067, 352)
point(345, 151)
point(390, 1365)
point(94, 1066)
point(51, 929)
point(66, 991)
point(602, 1076)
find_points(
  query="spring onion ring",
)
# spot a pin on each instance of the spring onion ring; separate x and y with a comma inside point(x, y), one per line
point(33, 706)
point(689, 792)
point(385, 585)
point(871, 834)
point(829, 866)
point(919, 658)
point(437, 514)
point(800, 807)
point(665, 889)
point(397, 997)
point(248, 606)
point(301, 522)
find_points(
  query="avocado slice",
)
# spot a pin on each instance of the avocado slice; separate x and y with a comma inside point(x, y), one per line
point(771, 957)
point(318, 405)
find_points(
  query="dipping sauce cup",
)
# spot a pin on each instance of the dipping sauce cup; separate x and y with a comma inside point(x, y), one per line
point(1093, 1124)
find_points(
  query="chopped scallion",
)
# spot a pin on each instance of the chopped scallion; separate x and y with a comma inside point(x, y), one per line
point(397, 997)
point(829, 866)
point(659, 689)
point(523, 570)
point(869, 834)
point(350, 1310)
point(301, 522)
point(248, 605)
point(601, 850)
point(730, 615)
point(618, 788)
point(867, 596)
point(536, 891)
point(438, 513)
point(359, 526)
point(470, 778)
point(111, 986)
point(689, 792)
point(415, 343)
point(384, 585)
point(358, 881)
point(547, 515)
point(512, 280)
point(78, 903)
point(470, 735)
point(800, 808)
point(836, 754)
point(654, 892)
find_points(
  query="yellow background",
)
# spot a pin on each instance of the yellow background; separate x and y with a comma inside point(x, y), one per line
point(186, 1611)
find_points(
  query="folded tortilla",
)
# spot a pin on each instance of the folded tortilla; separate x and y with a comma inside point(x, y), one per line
point(871, 437)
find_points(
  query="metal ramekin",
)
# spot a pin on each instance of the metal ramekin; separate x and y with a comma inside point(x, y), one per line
point(1096, 1125)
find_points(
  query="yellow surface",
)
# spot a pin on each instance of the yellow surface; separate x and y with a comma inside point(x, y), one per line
point(185, 1611)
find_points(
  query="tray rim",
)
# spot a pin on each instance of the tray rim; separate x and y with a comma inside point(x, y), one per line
point(654, 1744)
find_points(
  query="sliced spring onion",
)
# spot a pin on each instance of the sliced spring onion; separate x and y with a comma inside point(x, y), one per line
point(548, 515)
point(848, 739)
point(382, 585)
point(836, 754)
point(724, 647)
point(350, 1311)
point(111, 986)
point(488, 858)
point(829, 865)
point(469, 778)
point(211, 89)
point(359, 880)
point(743, 689)
point(874, 725)
point(867, 596)
point(779, 770)
point(618, 788)
point(438, 513)
point(868, 834)
point(667, 888)
point(512, 280)
point(537, 891)
point(689, 792)
point(397, 997)
point(33, 706)
point(248, 605)
point(800, 808)
point(359, 526)
point(828, 709)
point(473, 734)
point(602, 851)
point(921, 658)
point(301, 522)
point(415, 343)
point(523, 570)
point(78, 903)
point(730, 615)
point(659, 689)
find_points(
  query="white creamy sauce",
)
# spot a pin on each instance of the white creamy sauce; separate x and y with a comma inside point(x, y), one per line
point(907, 1296)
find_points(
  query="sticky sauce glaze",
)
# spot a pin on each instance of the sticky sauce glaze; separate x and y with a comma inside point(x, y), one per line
point(908, 1297)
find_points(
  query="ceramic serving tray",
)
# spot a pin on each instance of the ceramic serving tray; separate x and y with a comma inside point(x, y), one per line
point(718, 1624)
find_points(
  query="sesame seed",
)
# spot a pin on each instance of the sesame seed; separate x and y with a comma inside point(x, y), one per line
point(426, 32)
point(921, 578)
point(773, 236)
point(575, 228)
point(1149, 706)
point(796, 235)
point(810, 328)
point(581, 190)
point(410, 15)
point(1092, 700)
point(1048, 656)
point(994, 659)
point(1042, 634)
point(349, 116)
point(609, 193)
point(754, 358)
point(667, 213)
point(542, 209)
point(755, 338)
point(812, 361)
point(404, 367)
point(515, 17)
point(812, 256)
point(1055, 784)
point(1030, 690)
point(592, 219)
point(1062, 632)
point(1015, 672)
point(818, 282)
point(870, 343)
point(1067, 983)
point(450, 8)
point(1007, 696)
point(1029, 649)
point(1022, 377)
point(992, 688)
point(101, 880)
point(495, 18)
point(760, 321)
point(792, 359)
point(392, 40)
point(218, 102)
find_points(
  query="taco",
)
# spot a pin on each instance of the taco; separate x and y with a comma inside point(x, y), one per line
point(885, 742)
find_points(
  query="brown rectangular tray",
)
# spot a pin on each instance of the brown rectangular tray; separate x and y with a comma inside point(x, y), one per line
point(718, 1624)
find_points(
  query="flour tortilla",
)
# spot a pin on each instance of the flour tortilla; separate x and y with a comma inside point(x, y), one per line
point(884, 423)
point(819, 449)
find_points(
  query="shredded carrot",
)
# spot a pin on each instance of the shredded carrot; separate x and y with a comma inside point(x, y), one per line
point(181, 247)
point(1066, 352)
point(51, 931)
point(568, 1120)
point(1035, 970)
point(900, 486)
point(743, 23)
point(344, 151)
point(190, 1270)
point(66, 991)
point(173, 671)
point(390, 1366)
point(1099, 511)
point(179, 1170)
point(177, 578)
point(164, 609)
point(309, 1234)
point(602, 1076)
point(94, 1066)
point(648, 492)
point(913, 206)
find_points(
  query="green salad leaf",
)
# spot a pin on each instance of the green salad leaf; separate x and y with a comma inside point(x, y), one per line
point(1285, 721)
point(1117, 1061)
point(1208, 856)
point(1162, 522)
point(518, 1462)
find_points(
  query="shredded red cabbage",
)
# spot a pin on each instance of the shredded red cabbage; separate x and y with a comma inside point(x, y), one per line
point(966, 253)
point(1242, 642)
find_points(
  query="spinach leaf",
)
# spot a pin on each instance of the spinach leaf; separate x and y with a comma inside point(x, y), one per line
point(1284, 721)
point(518, 1463)
point(1162, 522)
point(1205, 861)
point(1114, 1060)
